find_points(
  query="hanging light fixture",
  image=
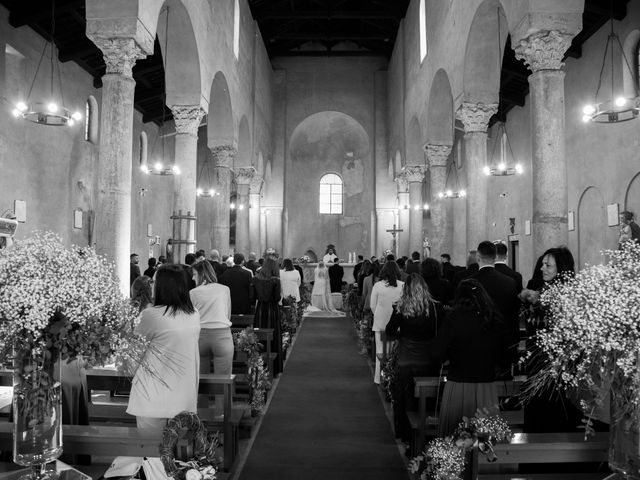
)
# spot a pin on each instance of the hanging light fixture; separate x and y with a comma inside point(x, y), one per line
point(160, 167)
point(616, 108)
point(207, 191)
point(50, 111)
point(503, 168)
point(449, 192)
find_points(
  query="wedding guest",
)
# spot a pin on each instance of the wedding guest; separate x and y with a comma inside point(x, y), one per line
point(402, 264)
point(251, 263)
point(290, 279)
point(268, 294)
point(214, 260)
point(367, 285)
point(384, 294)
point(448, 270)
point(471, 338)
point(363, 272)
point(414, 322)
point(357, 267)
point(413, 265)
point(172, 325)
point(190, 259)
point(134, 269)
point(151, 270)
point(240, 283)
point(439, 288)
point(471, 269)
point(141, 293)
point(630, 230)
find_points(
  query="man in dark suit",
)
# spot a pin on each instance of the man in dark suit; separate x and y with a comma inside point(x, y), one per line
point(502, 290)
point(472, 268)
point(218, 266)
point(413, 265)
point(336, 272)
point(240, 283)
point(357, 267)
point(502, 267)
point(134, 269)
point(251, 263)
point(448, 270)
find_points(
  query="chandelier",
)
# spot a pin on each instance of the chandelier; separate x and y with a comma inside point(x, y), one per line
point(450, 192)
point(49, 111)
point(159, 167)
point(618, 108)
point(503, 168)
point(209, 191)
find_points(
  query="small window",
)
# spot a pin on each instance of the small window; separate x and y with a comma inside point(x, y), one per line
point(331, 194)
point(236, 29)
point(423, 30)
point(91, 120)
point(143, 148)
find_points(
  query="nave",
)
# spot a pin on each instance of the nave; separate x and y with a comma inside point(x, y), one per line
point(326, 418)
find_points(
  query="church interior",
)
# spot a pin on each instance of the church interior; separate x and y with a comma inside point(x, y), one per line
point(287, 125)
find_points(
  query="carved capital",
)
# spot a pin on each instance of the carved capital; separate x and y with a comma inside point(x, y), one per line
point(187, 118)
point(437, 155)
point(475, 116)
point(223, 155)
point(244, 175)
point(120, 54)
point(256, 183)
point(402, 182)
point(544, 50)
point(414, 173)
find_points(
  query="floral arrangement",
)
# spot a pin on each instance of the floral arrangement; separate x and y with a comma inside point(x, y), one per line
point(592, 335)
point(445, 458)
point(305, 297)
point(62, 303)
point(386, 252)
point(352, 303)
point(247, 342)
point(364, 332)
point(204, 463)
point(304, 259)
point(388, 373)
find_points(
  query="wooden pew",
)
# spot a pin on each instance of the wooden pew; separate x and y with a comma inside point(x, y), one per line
point(431, 387)
point(114, 410)
point(241, 321)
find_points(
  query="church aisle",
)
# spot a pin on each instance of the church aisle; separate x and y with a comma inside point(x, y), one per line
point(326, 419)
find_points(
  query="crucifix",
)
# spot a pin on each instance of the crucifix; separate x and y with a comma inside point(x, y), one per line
point(394, 231)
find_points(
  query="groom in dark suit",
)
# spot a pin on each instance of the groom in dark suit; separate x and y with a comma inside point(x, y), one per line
point(336, 272)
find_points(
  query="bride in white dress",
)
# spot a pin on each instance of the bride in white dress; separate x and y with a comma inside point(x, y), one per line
point(321, 294)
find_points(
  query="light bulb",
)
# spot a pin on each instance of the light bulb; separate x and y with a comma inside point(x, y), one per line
point(77, 116)
point(441, 195)
point(52, 107)
point(449, 193)
point(426, 206)
point(212, 192)
point(144, 168)
point(463, 193)
point(621, 102)
point(15, 112)
point(240, 207)
point(21, 106)
point(416, 208)
point(589, 110)
point(518, 168)
point(70, 122)
point(502, 167)
point(586, 118)
point(176, 170)
point(157, 166)
point(486, 170)
point(232, 206)
point(199, 192)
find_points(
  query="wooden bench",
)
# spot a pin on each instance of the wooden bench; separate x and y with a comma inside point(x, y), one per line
point(431, 387)
point(241, 321)
point(114, 410)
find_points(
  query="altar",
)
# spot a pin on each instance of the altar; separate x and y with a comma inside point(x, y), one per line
point(308, 270)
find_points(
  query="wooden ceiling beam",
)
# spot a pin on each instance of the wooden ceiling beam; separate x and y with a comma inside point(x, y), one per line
point(330, 15)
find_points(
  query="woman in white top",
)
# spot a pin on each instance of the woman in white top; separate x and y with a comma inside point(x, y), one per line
point(172, 325)
point(384, 294)
point(290, 280)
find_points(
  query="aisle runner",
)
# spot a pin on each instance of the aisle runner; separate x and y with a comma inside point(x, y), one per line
point(326, 420)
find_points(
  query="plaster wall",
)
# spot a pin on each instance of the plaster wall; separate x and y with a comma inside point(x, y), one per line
point(341, 139)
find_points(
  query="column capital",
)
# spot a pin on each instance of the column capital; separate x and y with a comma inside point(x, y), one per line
point(244, 175)
point(475, 116)
point(437, 155)
point(256, 184)
point(414, 173)
point(187, 118)
point(544, 50)
point(120, 54)
point(223, 155)
point(401, 181)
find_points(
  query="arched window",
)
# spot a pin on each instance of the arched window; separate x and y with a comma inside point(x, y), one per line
point(91, 120)
point(331, 194)
point(236, 29)
point(422, 18)
point(144, 145)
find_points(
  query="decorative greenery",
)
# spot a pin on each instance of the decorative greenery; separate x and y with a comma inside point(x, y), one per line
point(363, 329)
point(592, 335)
point(204, 464)
point(305, 296)
point(304, 259)
point(352, 303)
point(247, 342)
point(58, 302)
point(389, 372)
point(444, 458)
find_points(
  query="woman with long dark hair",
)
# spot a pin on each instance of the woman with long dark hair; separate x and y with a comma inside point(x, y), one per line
point(414, 322)
point(290, 280)
point(268, 295)
point(471, 338)
point(172, 326)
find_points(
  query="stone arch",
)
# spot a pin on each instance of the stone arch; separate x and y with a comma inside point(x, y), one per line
point(440, 115)
point(592, 227)
point(260, 163)
point(267, 171)
point(415, 141)
point(632, 196)
point(182, 75)
point(482, 60)
point(390, 169)
point(243, 158)
point(220, 116)
point(630, 78)
point(398, 163)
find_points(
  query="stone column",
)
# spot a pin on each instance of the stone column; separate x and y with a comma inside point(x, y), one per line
point(254, 213)
point(415, 176)
point(543, 52)
point(113, 210)
point(402, 239)
point(263, 232)
point(243, 176)
point(440, 236)
point(187, 120)
point(475, 118)
point(222, 160)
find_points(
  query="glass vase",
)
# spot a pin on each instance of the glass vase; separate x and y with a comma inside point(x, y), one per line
point(624, 442)
point(37, 427)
